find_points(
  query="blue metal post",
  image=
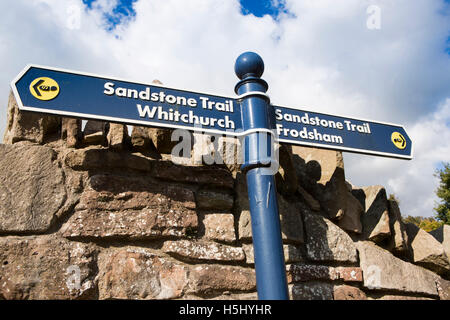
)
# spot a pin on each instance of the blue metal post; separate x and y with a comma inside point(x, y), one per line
point(256, 114)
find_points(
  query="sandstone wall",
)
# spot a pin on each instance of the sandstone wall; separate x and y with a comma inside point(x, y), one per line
point(99, 214)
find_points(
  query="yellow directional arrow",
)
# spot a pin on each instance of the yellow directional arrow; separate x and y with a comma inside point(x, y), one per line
point(44, 88)
point(398, 140)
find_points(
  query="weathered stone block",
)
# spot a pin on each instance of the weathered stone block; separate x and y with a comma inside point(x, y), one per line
point(383, 271)
point(201, 250)
point(327, 242)
point(398, 243)
point(344, 292)
point(443, 288)
point(46, 267)
point(137, 273)
point(426, 250)
point(71, 132)
point(442, 235)
point(204, 150)
point(375, 220)
point(117, 137)
point(126, 207)
point(32, 188)
point(28, 126)
point(305, 272)
point(219, 226)
point(209, 278)
point(311, 291)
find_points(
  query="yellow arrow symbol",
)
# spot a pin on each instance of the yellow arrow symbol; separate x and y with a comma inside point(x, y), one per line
point(44, 88)
point(398, 140)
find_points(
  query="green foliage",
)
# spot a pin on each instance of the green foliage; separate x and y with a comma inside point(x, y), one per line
point(430, 224)
point(443, 192)
point(427, 224)
point(414, 220)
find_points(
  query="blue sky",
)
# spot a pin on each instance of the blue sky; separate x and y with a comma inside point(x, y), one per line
point(124, 10)
point(260, 8)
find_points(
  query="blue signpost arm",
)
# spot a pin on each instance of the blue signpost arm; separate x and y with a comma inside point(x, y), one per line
point(258, 163)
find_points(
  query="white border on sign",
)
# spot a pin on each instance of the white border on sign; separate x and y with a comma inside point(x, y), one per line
point(213, 131)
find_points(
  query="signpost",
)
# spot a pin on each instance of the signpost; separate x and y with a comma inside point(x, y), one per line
point(83, 95)
point(249, 115)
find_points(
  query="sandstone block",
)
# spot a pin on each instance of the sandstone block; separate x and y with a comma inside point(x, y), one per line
point(398, 243)
point(305, 272)
point(28, 126)
point(344, 292)
point(442, 235)
point(117, 137)
point(327, 242)
point(32, 188)
point(443, 288)
point(211, 278)
point(126, 207)
point(201, 250)
point(311, 291)
point(375, 220)
point(426, 250)
point(383, 271)
point(71, 132)
point(219, 226)
point(46, 267)
point(137, 273)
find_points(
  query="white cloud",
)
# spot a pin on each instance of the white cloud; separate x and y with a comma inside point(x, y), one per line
point(323, 59)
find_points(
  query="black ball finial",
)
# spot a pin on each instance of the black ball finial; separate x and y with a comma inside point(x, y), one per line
point(249, 64)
